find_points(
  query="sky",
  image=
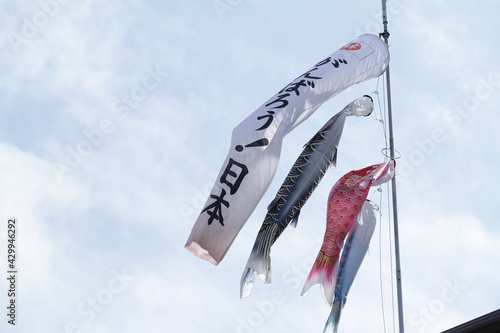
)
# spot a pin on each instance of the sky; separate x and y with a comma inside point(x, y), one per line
point(116, 117)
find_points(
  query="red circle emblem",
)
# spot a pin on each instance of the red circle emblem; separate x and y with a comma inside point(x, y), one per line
point(351, 47)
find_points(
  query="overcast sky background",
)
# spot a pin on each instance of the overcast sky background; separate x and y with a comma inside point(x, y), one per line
point(116, 116)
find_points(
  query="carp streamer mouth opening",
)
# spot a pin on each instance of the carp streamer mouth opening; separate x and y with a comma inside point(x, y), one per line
point(362, 106)
point(371, 99)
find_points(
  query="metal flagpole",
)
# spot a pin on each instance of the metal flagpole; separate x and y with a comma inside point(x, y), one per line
point(386, 34)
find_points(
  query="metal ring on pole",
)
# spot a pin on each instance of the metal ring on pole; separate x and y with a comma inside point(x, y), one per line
point(384, 152)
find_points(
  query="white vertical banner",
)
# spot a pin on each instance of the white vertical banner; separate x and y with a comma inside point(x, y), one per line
point(256, 142)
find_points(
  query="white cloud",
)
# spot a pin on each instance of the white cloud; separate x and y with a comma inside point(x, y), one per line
point(120, 206)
